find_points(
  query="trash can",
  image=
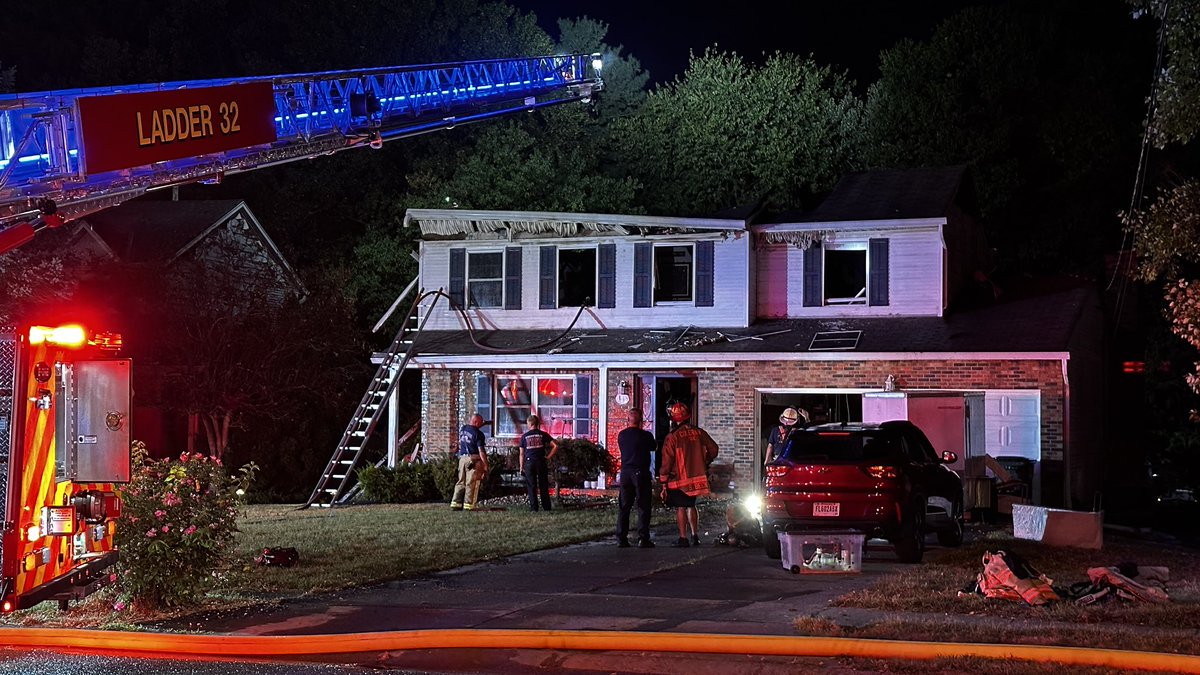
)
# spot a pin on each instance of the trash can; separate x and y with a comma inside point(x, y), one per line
point(1019, 467)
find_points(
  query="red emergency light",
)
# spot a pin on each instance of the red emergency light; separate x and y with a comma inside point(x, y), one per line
point(70, 335)
point(1134, 367)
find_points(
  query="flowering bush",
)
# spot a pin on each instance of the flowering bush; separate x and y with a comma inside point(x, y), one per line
point(177, 521)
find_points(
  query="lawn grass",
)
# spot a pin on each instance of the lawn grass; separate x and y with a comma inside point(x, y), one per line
point(361, 545)
point(356, 545)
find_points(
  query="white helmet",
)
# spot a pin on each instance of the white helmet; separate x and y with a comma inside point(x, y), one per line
point(791, 416)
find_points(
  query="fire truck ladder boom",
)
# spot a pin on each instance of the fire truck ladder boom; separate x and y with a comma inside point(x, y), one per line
point(48, 174)
point(336, 479)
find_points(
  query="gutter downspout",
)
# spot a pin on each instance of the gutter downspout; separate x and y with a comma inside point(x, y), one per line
point(602, 409)
point(1066, 435)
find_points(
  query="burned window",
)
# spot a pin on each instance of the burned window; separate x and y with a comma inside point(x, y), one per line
point(576, 277)
point(673, 273)
point(846, 276)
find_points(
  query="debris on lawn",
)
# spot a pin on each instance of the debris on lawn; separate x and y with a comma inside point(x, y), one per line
point(277, 556)
point(1008, 576)
point(1106, 583)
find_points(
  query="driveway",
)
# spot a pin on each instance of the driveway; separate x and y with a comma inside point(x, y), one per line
point(591, 586)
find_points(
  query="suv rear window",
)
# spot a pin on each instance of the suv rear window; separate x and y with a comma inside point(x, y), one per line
point(807, 446)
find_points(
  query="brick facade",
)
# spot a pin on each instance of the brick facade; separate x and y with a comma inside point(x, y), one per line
point(728, 398)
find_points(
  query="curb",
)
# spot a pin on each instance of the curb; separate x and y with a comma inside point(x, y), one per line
point(226, 646)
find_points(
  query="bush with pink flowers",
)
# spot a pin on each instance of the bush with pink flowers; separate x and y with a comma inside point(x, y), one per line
point(177, 522)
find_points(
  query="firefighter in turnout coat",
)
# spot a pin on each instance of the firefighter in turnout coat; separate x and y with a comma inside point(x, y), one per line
point(687, 453)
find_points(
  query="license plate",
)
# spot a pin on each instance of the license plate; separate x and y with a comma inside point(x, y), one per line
point(827, 509)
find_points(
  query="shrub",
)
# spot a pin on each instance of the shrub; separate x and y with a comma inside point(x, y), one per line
point(406, 484)
point(577, 460)
point(445, 475)
point(177, 523)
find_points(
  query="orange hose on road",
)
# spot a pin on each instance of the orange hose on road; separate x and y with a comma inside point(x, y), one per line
point(255, 646)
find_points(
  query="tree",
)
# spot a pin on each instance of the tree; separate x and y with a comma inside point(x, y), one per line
point(728, 133)
point(1166, 234)
point(1038, 98)
point(1176, 113)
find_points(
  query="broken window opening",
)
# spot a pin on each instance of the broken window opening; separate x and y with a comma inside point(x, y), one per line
point(846, 276)
point(576, 277)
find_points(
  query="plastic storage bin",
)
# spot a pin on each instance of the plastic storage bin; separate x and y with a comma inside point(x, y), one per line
point(822, 553)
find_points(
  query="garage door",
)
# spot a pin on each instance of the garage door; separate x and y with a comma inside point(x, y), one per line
point(1013, 423)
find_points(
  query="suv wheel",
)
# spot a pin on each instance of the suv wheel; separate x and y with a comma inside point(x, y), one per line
point(771, 541)
point(910, 540)
point(952, 536)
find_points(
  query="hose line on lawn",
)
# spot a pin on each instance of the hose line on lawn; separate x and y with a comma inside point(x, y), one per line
point(232, 645)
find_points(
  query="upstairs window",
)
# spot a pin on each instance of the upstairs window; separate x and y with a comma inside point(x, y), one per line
point(485, 279)
point(576, 277)
point(673, 270)
point(846, 275)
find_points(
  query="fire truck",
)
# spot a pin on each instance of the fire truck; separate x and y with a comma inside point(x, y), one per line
point(64, 421)
point(64, 389)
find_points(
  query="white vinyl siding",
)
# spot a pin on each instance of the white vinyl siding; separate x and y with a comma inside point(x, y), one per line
point(731, 290)
point(914, 276)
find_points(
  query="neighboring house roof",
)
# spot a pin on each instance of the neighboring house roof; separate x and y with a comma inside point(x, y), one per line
point(158, 231)
point(163, 231)
point(1035, 324)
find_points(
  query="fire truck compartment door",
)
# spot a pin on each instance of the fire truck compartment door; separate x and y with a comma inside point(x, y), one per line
point(92, 417)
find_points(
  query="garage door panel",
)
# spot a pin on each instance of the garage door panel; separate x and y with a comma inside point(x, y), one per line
point(1013, 422)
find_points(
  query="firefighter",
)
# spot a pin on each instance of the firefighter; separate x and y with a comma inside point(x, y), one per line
point(533, 462)
point(787, 422)
point(687, 453)
point(472, 465)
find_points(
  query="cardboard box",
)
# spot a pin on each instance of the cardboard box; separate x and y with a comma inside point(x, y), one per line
point(822, 553)
point(1059, 527)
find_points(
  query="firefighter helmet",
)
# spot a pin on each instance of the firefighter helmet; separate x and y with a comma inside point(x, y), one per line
point(679, 412)
point(789, 417)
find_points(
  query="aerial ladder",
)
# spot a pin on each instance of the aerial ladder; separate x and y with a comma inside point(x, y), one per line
point(65, 391)
point(67, 153)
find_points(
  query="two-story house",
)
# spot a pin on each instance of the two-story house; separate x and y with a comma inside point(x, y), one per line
point(581, 316)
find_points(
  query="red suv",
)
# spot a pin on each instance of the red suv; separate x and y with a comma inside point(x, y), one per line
point(883, 480)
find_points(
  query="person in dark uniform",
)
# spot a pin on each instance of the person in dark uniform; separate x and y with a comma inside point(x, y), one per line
point(779, 435)
point(472, 465)
point(533, 462)
point(636, 445)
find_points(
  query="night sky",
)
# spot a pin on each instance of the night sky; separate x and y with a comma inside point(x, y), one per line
point(849, 34)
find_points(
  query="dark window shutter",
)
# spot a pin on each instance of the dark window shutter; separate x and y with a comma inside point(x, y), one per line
point(512, 277)
point(549, 293)
point(704, 273)
point(877, 259)
point(606, 273)
point(458, 276)
point(812, 276)
point(643, 274)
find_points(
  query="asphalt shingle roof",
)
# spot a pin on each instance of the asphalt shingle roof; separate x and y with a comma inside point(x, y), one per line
point(884, 194)
point(1036, 323)
point(155, 230)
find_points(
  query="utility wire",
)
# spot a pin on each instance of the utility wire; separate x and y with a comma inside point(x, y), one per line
point(1139, 180)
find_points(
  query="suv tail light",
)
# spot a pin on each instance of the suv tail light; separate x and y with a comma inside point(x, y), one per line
point(777, 470)
point(881, 471)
